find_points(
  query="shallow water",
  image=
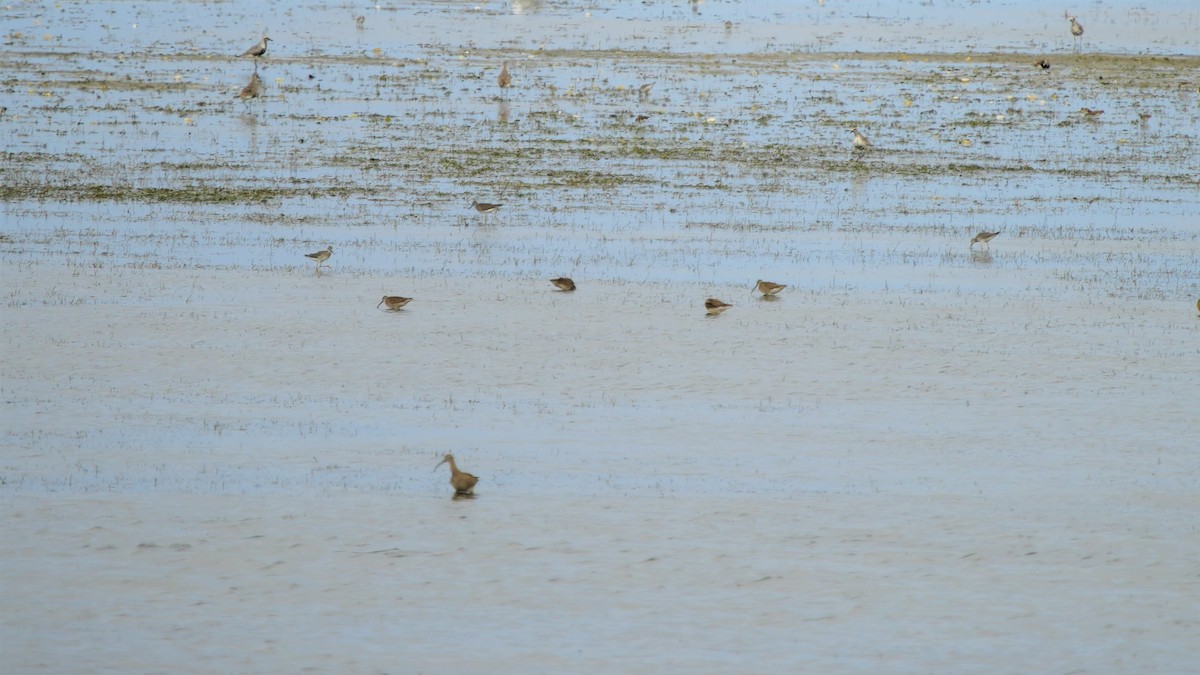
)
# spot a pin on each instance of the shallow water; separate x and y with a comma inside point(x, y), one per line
point(920, 457)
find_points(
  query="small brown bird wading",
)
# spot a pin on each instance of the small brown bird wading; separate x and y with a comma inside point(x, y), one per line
point(393, 302)
point(714, 306)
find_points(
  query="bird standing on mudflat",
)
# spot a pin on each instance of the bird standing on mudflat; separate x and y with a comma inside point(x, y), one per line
point(563, 284)
point(462, 482)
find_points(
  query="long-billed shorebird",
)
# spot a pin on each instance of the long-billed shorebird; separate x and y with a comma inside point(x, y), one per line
point(768, 288)
point(563, 284)
point(462, 482)
point(644, 89)
point(394, 302)
point(1076, 31)
point(714, 306)
point(252, 90)
point(984, 238)
point(320, 256)
point(504, 79)
point(1091, 113)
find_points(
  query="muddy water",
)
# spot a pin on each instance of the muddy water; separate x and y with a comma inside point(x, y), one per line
point(921, 457)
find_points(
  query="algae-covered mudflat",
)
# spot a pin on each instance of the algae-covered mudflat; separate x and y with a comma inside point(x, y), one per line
point(921, 456)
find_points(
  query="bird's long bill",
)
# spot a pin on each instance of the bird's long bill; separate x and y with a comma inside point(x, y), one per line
point(439, 464)
point(380, 303)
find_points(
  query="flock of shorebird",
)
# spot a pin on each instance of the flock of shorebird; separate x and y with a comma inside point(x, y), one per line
point(463, 482)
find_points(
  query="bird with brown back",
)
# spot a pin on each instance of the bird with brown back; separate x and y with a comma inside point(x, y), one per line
point(462, 482)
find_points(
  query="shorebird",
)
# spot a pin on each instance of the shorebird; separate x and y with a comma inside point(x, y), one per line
point(1042, 63)
point(984, 238)
point(768, 288)
point(1076, 31)
point(258, 49)
point(644, 89)
point(715, 306)
point(1091, 114)
point(485, 208)
point(504, 79)
point(393, 302)
point(861, 142)
point(463, 482)
point(563, 284)
point(252, 90)
point(320, 256)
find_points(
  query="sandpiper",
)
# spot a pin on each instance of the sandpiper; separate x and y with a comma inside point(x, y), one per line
point(768, 288)
point(860, 141)
point(563, 284)
point(715, 306)
point(463, 482)
point(484, 207)
point(1076, 31)
point(644, 89)
point(252, 90)
point(1042, 63)
point(258, 49)
point(984, 238)
point(393, 302)
point(320, 256)
point(504, 79)
point(1091, 114)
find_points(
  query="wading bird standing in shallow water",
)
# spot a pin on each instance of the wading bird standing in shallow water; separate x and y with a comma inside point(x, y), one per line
point(768, 288)
point(861, 142)
point(563, 284)
point(393, 302)
point(504, 79)
point(462, 482)
point(984, 238)
point(714, 306)
point(1076, 31)
point(252, 90)
point(320, 256)
point(257, 50)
